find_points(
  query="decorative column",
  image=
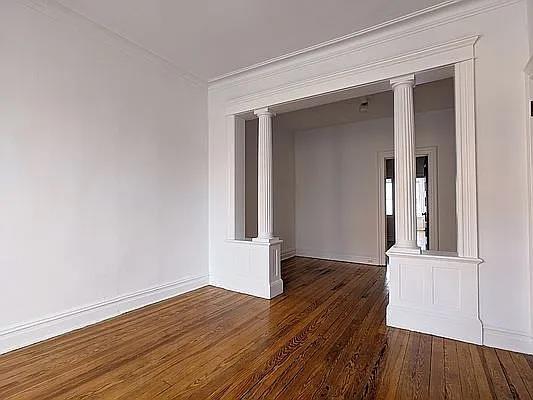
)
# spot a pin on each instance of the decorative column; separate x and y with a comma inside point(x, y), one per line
point(265, 206)
point(465, 142)
point(404, 165)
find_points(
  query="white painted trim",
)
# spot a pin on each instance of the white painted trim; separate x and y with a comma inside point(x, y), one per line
point(328, 255)
point(236, 150)
point(276, 288)
point(465, 154)
point(35, 331)
point(417, 60)
point(239, 284)
point(288, 253)
point(329, 43)
point(441, 54)
point(528, 81)
point(464, 329)
point(444, 13)
point(435, 293)
point(529, 68)
point(257, 268)
point(60, 13)
point(432, 153)
point(507, 340)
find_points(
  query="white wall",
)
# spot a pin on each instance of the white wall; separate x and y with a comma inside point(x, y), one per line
point(337, 185)
point(530, 25)
point(501, 54)
point(103, 175)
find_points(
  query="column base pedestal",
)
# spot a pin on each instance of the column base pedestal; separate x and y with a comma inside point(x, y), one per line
point(435, 293)
point(256, 268)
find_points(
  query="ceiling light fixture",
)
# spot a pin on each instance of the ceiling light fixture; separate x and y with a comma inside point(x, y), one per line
point(363, 107)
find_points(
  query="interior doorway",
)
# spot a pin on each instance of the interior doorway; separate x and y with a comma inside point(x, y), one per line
point(426, 201)
point(422, 203)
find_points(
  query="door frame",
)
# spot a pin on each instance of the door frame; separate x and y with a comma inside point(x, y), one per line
point(433, 215)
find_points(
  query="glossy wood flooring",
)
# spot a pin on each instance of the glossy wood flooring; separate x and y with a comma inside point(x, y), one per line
point(325, 338)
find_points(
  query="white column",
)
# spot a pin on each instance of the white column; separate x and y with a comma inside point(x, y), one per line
point(265, 206)
point(236, 177)
point(404, 164)
point(465, 141)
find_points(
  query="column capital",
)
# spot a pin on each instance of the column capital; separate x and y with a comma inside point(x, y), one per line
point(264, 111)
point(403, 80)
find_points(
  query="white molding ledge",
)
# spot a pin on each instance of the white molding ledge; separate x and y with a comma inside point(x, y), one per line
point(35, 331)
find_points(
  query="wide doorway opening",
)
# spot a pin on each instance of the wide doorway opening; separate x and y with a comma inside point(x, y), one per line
point(333, 174)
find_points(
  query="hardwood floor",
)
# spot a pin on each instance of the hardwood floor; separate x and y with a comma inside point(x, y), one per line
point(325, 337)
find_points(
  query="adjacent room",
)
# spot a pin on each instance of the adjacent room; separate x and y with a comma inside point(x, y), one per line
point(333, 173)
point(247, 200)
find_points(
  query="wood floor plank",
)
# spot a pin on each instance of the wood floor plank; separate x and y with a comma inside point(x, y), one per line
point(514, 380)
point(525, 371)
point(484, 388)
point(349, 358)
point(325, 337)
point(451, 370)
point(414, 380)
point(467, 376)
point(328, 338)
point(388, 384)
point(263, 366)
point(496, 375)
point(437, 383)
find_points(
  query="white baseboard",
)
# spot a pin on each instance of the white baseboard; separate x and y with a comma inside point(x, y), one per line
point(276, 288)
point(458, 328)
point(326, 255)
point(289, 253)
point(507, 340)
point(239, 284)
point(35, 331)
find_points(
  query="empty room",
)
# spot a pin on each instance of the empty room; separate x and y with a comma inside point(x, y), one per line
point(295, 199)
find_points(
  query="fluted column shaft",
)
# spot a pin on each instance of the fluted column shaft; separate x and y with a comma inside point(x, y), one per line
point(265, 207)
point(404, 163)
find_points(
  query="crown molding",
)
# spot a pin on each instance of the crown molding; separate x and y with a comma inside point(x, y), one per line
point(529, 67)
point(440, 14)
point(60, 13)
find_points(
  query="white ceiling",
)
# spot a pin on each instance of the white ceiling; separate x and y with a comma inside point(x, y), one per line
point(209, 38)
